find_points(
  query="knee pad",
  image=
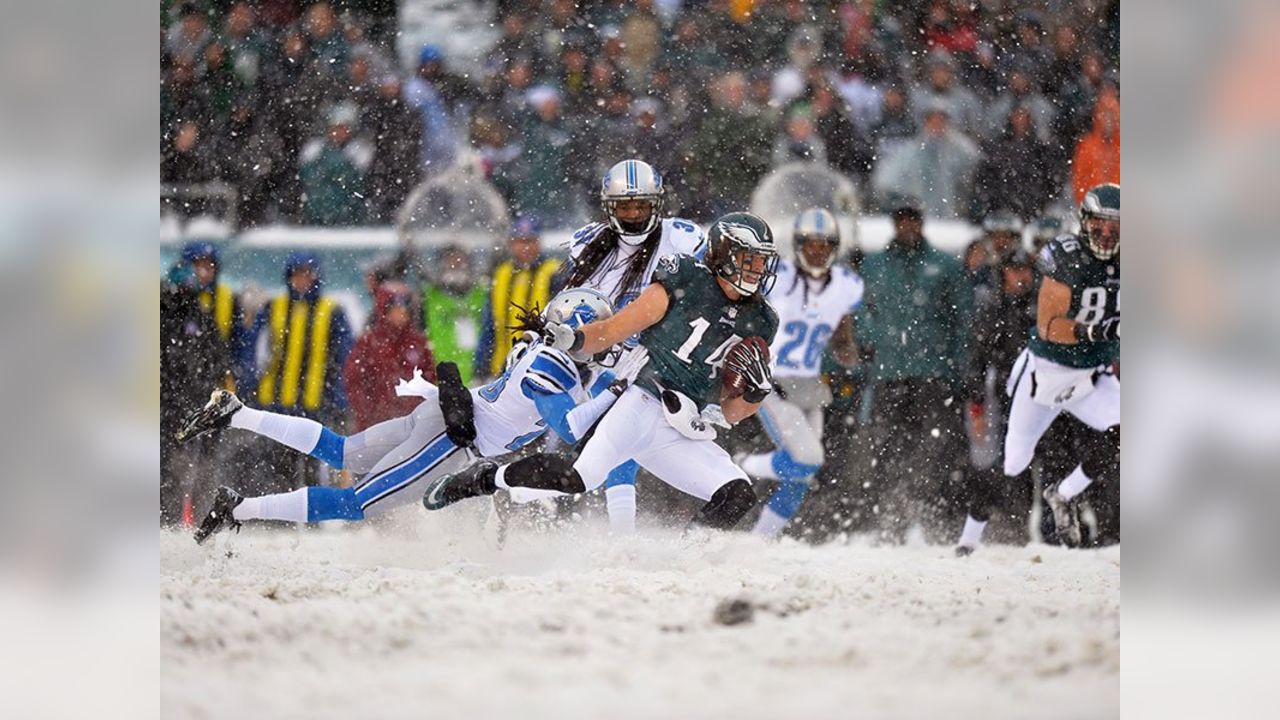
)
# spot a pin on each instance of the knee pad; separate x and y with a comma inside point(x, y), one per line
point(727, 506)
point(624, 474)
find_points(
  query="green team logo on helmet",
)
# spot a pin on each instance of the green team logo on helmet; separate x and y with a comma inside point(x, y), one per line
point(742, 252)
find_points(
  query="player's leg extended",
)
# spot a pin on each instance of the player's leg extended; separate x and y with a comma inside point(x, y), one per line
point(1099, 410)
point(1027, 422)
point(620, 497)
point(796, 460)
point(302, 434)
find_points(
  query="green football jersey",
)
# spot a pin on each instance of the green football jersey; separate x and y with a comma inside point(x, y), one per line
point(687, 347)
point(1095, 295)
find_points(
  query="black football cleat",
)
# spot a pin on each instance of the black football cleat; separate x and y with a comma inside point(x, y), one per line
point(220, 515)
point(1065, 518)
point(472, 481)
point(215, 415)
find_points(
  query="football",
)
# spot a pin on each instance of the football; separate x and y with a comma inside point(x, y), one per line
point(732, 382)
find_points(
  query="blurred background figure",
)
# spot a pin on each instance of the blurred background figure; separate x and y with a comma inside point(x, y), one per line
point(390, 349)
point(936, 166)
point(520, 280)
point(301, 340)
point(453, 309)
point(333, 171)
point(916, 317)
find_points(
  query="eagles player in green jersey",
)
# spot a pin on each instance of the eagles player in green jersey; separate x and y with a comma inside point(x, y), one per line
point(695, 319)
point(1070, 360)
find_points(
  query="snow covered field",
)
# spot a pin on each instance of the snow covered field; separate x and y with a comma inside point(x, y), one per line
point(427, 619)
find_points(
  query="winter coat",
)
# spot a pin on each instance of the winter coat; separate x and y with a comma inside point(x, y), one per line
point(383, 355)
point(938, 171)
point(916, 315)
point(333, 178)
point(1097, 157)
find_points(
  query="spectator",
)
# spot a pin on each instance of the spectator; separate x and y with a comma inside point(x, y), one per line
point(435, 95)
point(302, 339)
point(541, 174)
point(916, 318)
point(222, 306)
point(803, 48)
point(894, 126)
point(848, 148)
point(799, 140)
point(523, 280)
point(333, 169)
point(453, 308)
point(730, 151)
point(391, 348)
point(393, 172)
point(251, 154)
point(188, 38)
point(949, 26)
point(936, 166)
point(1015, 171)
point(1020, 93)
point(1097, 156)
point(941, 91)
point(641, 35)
point(325, 40)
point(1064, 62)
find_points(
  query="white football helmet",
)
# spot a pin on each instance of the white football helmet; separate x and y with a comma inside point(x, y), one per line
point(576, 307)
point(815, 224)
point(632, 180)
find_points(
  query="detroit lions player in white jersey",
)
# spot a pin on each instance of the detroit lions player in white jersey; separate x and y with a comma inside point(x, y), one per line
point(542, 387)
point(617, 258)
point(814, 299)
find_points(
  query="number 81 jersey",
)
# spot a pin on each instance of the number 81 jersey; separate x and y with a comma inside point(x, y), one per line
point(809, 311)
point(1095, 296)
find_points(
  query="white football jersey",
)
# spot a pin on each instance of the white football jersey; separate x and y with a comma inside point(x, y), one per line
point(506, 418)
point(679, 236)
point(809, 311)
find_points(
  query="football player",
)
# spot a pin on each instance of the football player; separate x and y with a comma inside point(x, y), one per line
point(696, 319)
point(1068, 363)
point(618, 258)
point(542, 387)
point(813, 298)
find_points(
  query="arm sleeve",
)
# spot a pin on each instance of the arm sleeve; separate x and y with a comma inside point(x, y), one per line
point(570, 421)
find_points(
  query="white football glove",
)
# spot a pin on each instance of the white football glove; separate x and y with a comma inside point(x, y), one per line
point(682, 414)
point(558, 336)
point(630, 363)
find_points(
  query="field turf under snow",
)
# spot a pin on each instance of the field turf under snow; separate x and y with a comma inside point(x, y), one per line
point(425, 618)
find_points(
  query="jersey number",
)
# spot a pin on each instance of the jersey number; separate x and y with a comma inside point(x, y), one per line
point(716, 358)
point(799, 332)
point(1093, 305)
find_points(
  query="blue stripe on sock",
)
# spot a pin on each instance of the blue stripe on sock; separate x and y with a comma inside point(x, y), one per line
point(624, 474)
point(788, 469)
point(786, 500)
point(326, 503)
point(329, 448)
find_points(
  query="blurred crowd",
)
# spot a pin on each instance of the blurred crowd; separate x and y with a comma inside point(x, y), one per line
point(972, 106)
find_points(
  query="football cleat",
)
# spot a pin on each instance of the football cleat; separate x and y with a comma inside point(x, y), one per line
point(215, 415)
point(220, 515)
point(472, 481)
point(1065, 519)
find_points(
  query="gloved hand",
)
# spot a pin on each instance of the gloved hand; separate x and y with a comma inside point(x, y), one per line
point(1102, 331)
point(712, 414)
point(628, 367)
point(559, 336)
point(753, 366)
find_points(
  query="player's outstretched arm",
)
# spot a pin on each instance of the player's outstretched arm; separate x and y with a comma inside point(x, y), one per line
point(639, 314)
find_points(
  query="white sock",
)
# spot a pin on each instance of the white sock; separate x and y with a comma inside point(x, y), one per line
point(282, 506)
point(621, 501)
point(1076, 483)
point(971, 536)
point(522, 495)
point(770, 523)
point(500, 478)
point(759, 466)
point(299, 433)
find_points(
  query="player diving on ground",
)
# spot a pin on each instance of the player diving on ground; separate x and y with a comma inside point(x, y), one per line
point(542, 387)
point(707, 328)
